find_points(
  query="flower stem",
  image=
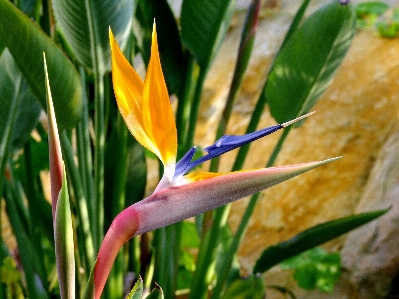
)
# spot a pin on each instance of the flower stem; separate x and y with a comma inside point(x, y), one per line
point(82, 209)
point(195, 108)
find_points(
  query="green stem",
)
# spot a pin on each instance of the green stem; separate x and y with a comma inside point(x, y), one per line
point(115, 280)
point(82, 210)
point(34, 213)
point(84, 148)
point(221, 214)
point(229, 256)
point(195, 108)
point(183, 107)
point(26, 251)
point(99, 126)
point(99, 162)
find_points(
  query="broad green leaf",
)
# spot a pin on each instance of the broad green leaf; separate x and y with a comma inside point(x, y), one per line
point(203, 27)
point(64, 247)
point(85, 26)
point(170, 48)
point(26, 42)
point(307, 63)
point(310, 238)
point(13, 85)
point(252, 287)
point(137, 291)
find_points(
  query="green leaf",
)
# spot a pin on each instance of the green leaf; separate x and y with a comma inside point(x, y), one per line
point(136, 171)
point(310, 238)
point(315, 268)
point(13, 85)
point(371, 8)
point(26, 42)
point(388, 30)
point(137, 291)
point(64, 247)
point(203, 27)
point(9, 272)
point(170, 48)
point(308, 61)
point(85, 26)
point(252, 287)
point(190, 237)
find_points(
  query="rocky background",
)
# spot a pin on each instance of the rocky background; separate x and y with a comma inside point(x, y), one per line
point(357, 118)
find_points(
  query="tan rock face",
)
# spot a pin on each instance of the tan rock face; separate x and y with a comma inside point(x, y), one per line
point(355, 117)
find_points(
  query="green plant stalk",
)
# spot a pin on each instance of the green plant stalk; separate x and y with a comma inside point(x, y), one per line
point(82, 209)
point(99, 128)
point(98, 210)
point(115, 279)
point(34, 214)
point(243, 57)
point(84, 147)
point(183, 112)
point(229, 256)
point(208, 251)
point(194, 108)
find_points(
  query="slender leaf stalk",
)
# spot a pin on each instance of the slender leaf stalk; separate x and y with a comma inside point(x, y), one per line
point(26, 250)
point(220, 217)
point(183, 107)
point(34, 213)
point(115, 280)
point(82, 209)
point(229, 256)
point(84, 148)
point(195, 108)
point(98, 210)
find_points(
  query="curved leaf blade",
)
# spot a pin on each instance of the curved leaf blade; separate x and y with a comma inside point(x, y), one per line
point(12, 85)
point(310, 238)
point(203, 26)
point(85, 24)
point(26, 42)
point(308, 61)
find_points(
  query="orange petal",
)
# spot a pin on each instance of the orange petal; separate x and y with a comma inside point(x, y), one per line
point(199, 176)
point(128, 88)
point(158, 115)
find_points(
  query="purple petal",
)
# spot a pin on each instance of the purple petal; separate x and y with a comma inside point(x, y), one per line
point(223, 145)
point(227, 143)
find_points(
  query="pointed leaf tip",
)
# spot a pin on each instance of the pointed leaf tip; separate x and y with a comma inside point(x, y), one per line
point(56, 164)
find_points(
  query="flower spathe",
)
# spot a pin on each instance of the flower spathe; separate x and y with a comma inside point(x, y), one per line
point(146, 109)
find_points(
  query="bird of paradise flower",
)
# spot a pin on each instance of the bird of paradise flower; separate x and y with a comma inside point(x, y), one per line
point(146, 109)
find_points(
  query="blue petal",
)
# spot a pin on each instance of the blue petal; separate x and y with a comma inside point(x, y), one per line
point(183, 163)
point(223, 145)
